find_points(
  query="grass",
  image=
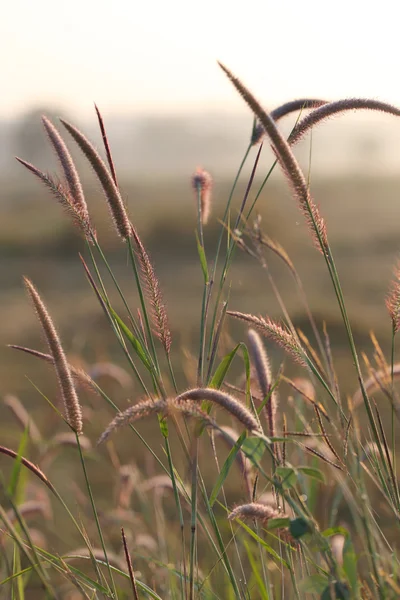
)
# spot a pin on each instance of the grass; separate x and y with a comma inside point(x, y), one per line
point(220, 477)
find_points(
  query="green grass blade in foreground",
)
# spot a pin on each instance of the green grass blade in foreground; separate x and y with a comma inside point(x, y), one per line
point(224, 472)
point(96, 518)
point(264, 595)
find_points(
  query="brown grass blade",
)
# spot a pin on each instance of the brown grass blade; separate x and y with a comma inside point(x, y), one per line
point(106, 145)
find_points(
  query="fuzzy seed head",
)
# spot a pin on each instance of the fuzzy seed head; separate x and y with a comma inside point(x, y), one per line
point(263, 372)
point(254, 510)
point(226, 401)
point(393, 299)
point(67, 164)
point(202, 185)
point(113, 196)
point(277, 333)
point(71, 402)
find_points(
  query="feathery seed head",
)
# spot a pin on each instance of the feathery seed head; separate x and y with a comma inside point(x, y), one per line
point(78, 211)
point(113, 196)
point(134, 413)
point(153, 293)
point(227, 402)
point(202, 185)
point(393, 299)
point(263, 372)
point(276, 332)
point(67, 164)
point(288, 163)
point(71, 402)
point(254, 510)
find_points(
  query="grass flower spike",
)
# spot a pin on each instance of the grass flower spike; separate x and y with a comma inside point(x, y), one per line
point(71, 402)
point(202, 184)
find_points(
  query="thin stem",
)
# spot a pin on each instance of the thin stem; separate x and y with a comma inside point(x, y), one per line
point(96, 518)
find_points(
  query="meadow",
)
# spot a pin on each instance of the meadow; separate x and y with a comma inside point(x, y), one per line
point(255, 455)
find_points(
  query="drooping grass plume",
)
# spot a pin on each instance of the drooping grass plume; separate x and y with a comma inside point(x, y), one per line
point(255, 510)
point(202, 185)
point(29, 465)
point(71, 402)
point(75, 210)
point(23, 417)
point(185, 404)
point(282, 111)
point(152, 289)
point(334, 108)
point(134, 413)
point(226, 401)
point(393, 299)
point(263, 371)
point(276, 332)
point(113, 196)
point(289, 165)
point(68, 166)
point(79, 375)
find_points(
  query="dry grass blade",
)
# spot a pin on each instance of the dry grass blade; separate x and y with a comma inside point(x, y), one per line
point(275, 247)
point(67, 164)
point(71, 403)
point(130, 567)
point(288, 164)
point(306, 396)
point(321, 453)
point(23, 417)
point(29, 465)
point(276, 332)
point(114, 200)
point(106, 144)
point(376, 382)
point(153, 292)
point(334, 108)
point(325, 435)
point(226, 401)
point(79, 216)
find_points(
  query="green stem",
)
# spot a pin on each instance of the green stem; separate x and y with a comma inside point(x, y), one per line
point(96, 518)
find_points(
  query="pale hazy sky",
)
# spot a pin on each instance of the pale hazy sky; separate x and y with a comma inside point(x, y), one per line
point(160, 55)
